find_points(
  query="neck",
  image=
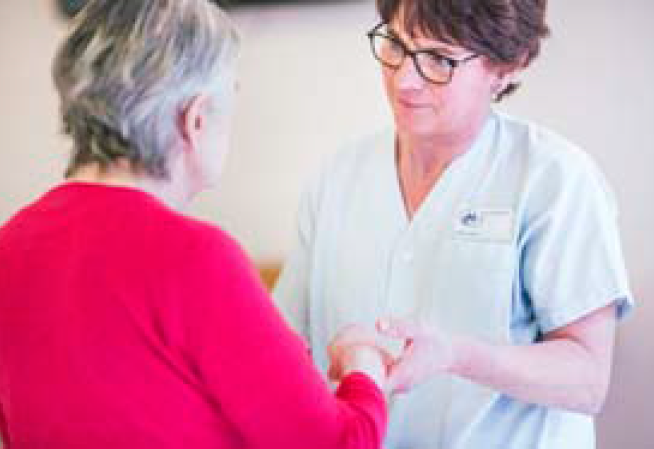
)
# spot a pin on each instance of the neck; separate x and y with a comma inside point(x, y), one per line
point(423, 156)
point(120, 175)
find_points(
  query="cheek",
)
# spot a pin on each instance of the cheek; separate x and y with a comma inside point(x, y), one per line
point(481, 85)
point(468, 93)
point(389, 82)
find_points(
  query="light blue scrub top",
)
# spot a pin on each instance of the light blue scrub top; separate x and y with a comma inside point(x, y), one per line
point(517, 238)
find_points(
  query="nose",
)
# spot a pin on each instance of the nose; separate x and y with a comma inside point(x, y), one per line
point(407, 76)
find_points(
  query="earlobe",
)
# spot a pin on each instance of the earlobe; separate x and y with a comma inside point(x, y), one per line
point(192, 120)
point(505, 76)
point(511, 74)
point(501, 84)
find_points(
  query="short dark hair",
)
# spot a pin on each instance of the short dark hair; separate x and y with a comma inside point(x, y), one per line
point(507, 32)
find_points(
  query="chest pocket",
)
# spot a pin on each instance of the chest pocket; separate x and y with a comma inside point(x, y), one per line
point(473, 287)
point(480, 256)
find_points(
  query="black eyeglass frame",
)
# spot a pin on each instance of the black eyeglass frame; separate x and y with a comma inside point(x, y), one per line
point(453, 63)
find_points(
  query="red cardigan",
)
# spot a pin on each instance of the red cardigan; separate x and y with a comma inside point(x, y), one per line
point(126, 325)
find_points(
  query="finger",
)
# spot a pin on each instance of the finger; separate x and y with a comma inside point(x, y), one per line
point(355, 334)
point(397, 327)
point(398, 379)
point(387, 358)
point(401, 374)
point(335, 371)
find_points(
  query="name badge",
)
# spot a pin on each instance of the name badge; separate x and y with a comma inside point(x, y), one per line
point(492, 225)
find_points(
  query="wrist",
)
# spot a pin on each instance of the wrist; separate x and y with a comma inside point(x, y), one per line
point(461, 355)
point(363, 358)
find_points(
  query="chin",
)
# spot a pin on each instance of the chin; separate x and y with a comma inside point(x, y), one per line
point(415, 127)
point(421, 123)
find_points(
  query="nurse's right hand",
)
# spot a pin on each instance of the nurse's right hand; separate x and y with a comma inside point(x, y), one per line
point(427, 352)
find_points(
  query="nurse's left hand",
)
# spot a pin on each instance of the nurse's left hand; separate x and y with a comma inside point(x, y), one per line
point(427, 351)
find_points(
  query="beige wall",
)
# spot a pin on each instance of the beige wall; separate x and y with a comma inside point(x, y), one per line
point(309, 84)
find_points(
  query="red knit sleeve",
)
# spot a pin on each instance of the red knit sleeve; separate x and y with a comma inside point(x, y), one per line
point(258, 371)
point(4, 431)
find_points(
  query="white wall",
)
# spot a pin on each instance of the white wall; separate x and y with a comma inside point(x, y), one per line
point(309, 84)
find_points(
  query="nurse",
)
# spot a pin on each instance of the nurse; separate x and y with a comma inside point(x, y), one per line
point(486, 244)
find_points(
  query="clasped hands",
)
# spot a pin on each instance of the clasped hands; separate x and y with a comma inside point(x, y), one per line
point(425, 352)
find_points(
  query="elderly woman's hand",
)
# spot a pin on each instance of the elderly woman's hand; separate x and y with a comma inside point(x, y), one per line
point(357, 348)
point(427, 351)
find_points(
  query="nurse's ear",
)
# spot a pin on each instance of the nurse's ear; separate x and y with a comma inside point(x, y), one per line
point(507, 78)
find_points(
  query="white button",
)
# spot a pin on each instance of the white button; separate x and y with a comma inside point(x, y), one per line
point(407, 256)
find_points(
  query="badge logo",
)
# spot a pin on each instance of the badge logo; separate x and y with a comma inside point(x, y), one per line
point(471, 219)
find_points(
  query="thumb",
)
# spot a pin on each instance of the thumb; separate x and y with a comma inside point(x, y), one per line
point(397, 328)
point(398, 379)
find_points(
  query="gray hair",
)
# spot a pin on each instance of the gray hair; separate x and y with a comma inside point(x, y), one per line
point(129, 67)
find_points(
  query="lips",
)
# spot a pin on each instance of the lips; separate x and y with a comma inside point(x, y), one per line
point(409, 104)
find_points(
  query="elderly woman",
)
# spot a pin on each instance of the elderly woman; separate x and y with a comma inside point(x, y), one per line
point(124, 324)
point(489, 243)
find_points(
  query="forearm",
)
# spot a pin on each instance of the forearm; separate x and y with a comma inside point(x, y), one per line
point(560, 373)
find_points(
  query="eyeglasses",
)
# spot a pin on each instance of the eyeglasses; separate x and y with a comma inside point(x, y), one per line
point(431, 65)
